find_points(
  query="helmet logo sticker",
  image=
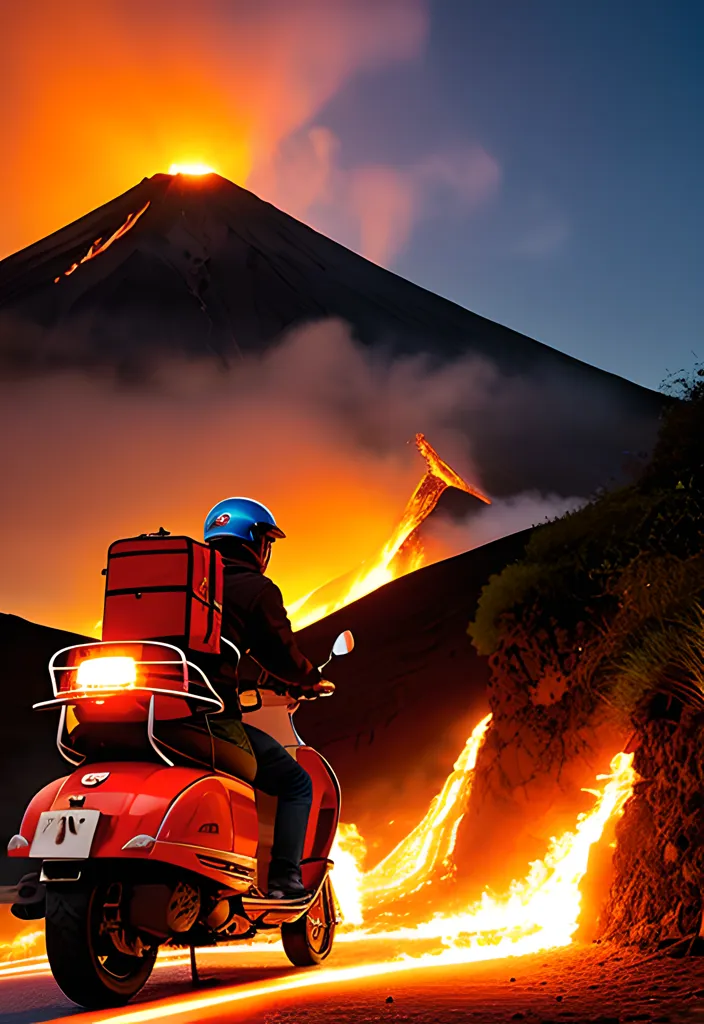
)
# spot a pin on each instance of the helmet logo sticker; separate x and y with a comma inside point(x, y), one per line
point(221, 520)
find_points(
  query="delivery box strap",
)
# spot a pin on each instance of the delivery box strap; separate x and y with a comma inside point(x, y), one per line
point(211, 602)
point(180, 589)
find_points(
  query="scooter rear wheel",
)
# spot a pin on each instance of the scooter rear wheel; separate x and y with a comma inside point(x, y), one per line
point(87, 965)
point(308, 941)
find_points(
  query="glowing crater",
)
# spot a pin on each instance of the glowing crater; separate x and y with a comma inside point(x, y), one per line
point(192, 169)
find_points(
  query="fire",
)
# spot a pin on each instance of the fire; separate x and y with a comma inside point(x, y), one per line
point(428, 849)
point(348, 853)
point(29, 941)
point(100, 246)
point(402, 553)
point(194, 169)
point(538, 912)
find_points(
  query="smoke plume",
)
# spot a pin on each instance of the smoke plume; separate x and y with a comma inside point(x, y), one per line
point(319, 428)
point(99, 93)
point(372, 208)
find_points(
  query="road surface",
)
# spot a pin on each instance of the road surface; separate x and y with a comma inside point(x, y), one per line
point(580, 984)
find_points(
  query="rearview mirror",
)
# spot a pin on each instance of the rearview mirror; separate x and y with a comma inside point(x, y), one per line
point(344, 643)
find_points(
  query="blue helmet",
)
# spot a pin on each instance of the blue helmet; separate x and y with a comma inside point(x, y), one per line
point(242, 518)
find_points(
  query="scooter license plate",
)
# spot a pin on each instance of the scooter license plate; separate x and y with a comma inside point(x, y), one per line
point(67, 835)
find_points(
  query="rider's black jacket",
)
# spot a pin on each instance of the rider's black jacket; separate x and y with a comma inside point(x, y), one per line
point(254, 619)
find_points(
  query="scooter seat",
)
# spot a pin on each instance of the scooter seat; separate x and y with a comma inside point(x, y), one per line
point(196, 744)
point(182, 743)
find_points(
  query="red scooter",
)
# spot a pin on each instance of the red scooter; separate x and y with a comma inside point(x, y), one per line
point(142, 845)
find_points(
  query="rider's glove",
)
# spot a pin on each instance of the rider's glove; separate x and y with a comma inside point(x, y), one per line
point(323, 688)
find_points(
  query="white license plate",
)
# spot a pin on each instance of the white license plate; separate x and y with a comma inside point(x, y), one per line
point(67, 835)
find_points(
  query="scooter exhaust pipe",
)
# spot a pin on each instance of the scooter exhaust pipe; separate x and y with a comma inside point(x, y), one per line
point(163, 910)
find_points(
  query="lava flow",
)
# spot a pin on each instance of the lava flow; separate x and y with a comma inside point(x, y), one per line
point(539, 912)
point(99, 246)
point(402, 553)
point(427, 851)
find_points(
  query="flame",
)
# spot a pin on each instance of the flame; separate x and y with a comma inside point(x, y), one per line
point(429, 847)
point(100, 246)
point(348, 852)
point(402, 553)
point(538, 912)
point(193, 169)
point(23, 945)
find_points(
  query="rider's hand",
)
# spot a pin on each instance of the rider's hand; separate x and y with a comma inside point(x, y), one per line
point(323, 688)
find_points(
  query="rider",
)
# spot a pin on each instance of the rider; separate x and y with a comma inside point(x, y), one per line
point(255, 621)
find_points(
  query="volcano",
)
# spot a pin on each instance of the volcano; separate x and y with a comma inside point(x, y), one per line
point(201, 268)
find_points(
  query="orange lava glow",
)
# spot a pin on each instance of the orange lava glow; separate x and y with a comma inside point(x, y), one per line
point(402, 553)
point(192, 169)
point(426, 852)
point(539, 912)
point(20, 946)
point(99, 246)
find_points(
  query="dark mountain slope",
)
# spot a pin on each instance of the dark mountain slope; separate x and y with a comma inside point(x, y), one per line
point(207, 269)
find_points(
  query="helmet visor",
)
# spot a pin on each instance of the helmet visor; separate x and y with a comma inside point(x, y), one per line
point(269, 531)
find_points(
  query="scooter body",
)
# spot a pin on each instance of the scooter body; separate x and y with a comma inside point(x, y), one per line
point(139, 853)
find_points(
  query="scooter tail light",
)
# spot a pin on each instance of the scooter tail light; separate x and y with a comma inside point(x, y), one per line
point(114, 673)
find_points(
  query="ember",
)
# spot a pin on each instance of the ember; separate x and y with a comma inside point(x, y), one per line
point(402, 553)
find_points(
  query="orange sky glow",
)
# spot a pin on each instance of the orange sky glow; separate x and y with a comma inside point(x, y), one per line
point(102, 93)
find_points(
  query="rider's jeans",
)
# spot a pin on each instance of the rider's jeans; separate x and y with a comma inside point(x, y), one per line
point(279, 775)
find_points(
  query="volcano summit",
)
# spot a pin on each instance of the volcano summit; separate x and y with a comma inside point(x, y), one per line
point(198, 267)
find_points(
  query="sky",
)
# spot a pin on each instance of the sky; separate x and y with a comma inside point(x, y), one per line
point(592, 240)
point(537, 161)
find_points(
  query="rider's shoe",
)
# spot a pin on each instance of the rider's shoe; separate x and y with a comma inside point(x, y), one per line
point(285, 882)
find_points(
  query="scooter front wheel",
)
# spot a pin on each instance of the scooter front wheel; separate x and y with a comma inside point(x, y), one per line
point(87, 963)
point(308, 941)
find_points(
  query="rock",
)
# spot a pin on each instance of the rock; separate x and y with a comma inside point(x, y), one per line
point(671, 853)
point(389, 999)
point(511, 979)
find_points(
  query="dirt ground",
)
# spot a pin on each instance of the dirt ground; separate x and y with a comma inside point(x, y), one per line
point(580, 985)
point(575, 986)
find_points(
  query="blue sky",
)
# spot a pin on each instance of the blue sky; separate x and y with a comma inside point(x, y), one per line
point(592, 110)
